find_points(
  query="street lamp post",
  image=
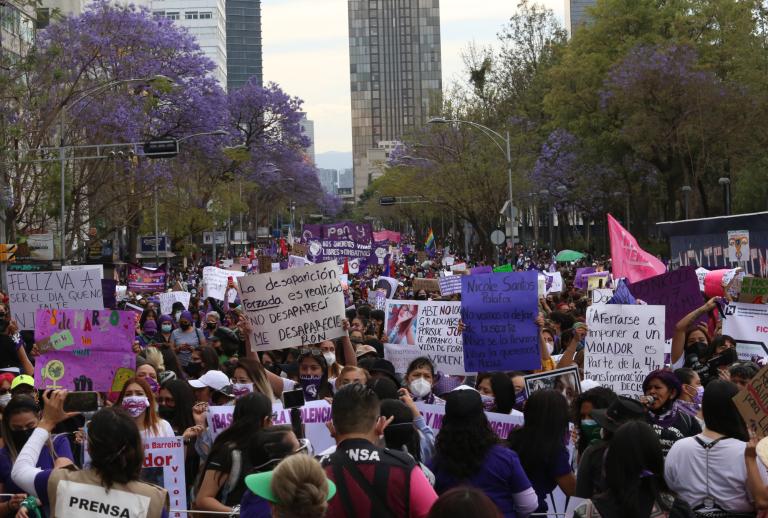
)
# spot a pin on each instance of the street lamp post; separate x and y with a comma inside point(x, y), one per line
point(726, 183)
point(686, 192)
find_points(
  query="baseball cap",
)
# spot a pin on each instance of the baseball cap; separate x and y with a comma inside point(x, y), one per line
point(24, 379)
point(215, 380)
point(619, 412)
point(366, 349)
point(261, 484)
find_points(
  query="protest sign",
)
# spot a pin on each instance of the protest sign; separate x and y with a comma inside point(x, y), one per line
point(624, 344)
point(553, 282)
point(168, 298)
point(601, 296)
point(428, 285)
point(479, 270)
point(387, 285)
point(450, 285)
point(121, 292)
point(265, 264)
point(499, 312)
point(108, 293)
point(84, 350)
point(295, 261)
point(752, 403)
point(501, 424)
point(678, 291)
point(146, 279)
point(459, 268)
point(503, 268)
point(754, 290)
point(164, 466)
point(29, 291)
point(314, 415)
point(340, 241)
point(748, 325)
point(580, 280)
point(77, 267)
point(296, 307)
point(215, 281)
point(424, 328)
point(738, 245)
point(300, 249)
point(598, 280)
point(564, 380)
point(377, 300)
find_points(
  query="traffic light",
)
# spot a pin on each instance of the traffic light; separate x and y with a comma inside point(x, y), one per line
point(7, 253)
point(385, 201)
point(161, 148)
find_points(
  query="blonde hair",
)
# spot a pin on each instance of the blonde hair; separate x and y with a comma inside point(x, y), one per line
point(301, 488)
point(155, 358)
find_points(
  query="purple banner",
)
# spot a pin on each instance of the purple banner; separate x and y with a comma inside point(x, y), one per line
point(340, 241)
point(499, 312)
point(580, 281)
point(84, 350)
point(146, 279)
point(678, 291)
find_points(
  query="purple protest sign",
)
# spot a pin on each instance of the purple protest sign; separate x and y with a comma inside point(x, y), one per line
point(580, 281)
point(109, 293)
point(499, 312)
point(479, 270)
point(678, 291)
point(340, 241)
point(84, 350)
point(146, 279)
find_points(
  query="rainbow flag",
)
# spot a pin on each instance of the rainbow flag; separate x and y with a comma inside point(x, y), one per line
point(429, 244)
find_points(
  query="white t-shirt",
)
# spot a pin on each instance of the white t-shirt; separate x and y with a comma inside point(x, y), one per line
point(164, 429)
point(686, 473)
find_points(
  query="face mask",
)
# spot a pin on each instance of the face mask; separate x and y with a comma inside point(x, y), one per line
point(177, 315)
point(210, 325)
point(20, 437)
point(167, 328)
point(489, 403)
point(420, 387)
point(241, 389)
point(590, 429)
point(699, 397)
point(550, 346)
point(330, 358)
point(4, 399)
point(311, 386)
point(194, 369)
point(154, 386)
point(519, 401)
point(135, 405)
point(166, 412)
point(185, 326)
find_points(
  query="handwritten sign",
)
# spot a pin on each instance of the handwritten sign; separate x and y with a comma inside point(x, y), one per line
point(624, 344)
point(30, 291)
point(296, 307)
point(553, 282)
point(501, 424)
point(84, 350)
point(215, 281)
point(752, 403)
point(450, 285)
point(164, 466)
point(748, 325)
point(424, 328)
point(498, 311)
point(678, 291)
point(168, 298)
point(428, 285)
point(601, 296)
point(754, 290)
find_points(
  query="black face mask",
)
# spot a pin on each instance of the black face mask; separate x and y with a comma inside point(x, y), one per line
point(274, 368)
point(166, 412)
point(20, 437)
point(210, 325)
point(185, 326)
point(194, 369)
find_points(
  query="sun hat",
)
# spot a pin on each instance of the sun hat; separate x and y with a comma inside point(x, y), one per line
point(261, 484)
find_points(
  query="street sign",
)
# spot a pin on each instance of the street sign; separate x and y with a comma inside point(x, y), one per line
point(221, 237)
point(147, 244)
point(498, 237)
point(161, 148)
point(385, 201)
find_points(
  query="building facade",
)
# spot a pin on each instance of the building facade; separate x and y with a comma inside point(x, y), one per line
point(308, 128)
point(576, 13)
point(395, 73)
point(244, 58)
point(329, 179)
point(17, 29)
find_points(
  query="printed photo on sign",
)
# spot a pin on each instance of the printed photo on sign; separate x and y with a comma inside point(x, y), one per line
point(738, 245)
point(748, 325)
point(401, 324)
point(565, 381)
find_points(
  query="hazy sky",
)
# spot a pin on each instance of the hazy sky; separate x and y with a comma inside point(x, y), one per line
point(306, 52)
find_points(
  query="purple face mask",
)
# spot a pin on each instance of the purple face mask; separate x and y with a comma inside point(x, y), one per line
point(154, 386)
point(135, 405)
point(311, 386)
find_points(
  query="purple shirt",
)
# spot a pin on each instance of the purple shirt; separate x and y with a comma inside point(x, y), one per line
point(45, 461)
point(253, 506)
point(544, 479)
point(499, 477)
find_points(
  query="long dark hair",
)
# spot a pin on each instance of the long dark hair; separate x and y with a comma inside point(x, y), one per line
point(720, 413)
point(400, 432)
point(634, 470)
point(503, 390)
point(268, 447)
point(599, 397)
point(114, 443)
point(17, 405)
point(185, 400)
point(247, 418)
point(543, 434)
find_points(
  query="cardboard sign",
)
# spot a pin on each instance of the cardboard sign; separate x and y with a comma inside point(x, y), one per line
point(501, 424)
point(292, 308)
point(164, 466)
point(624, 344)
point(300, 249)
point(168, 298)
point(748, 325)
point(450, 285)
point(424, 328)
point(215, 281)
point(601, 296)
point(265, 264)
point(499, 312)
point(678, 291)
point(84, 350)
point(752, 403)
point(29, 291)
point(428, 285)
point(754, 290)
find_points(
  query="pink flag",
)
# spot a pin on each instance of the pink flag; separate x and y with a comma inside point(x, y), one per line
point(627, 258)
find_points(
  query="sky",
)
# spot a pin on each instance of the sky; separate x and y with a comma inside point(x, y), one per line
point(306, 52)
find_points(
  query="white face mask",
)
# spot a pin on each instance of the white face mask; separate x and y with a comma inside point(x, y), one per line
point(420, 387)
point(4, 399)
point(550, 346)
point(330, 358)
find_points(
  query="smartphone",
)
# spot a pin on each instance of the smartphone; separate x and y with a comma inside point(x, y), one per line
point(81, 402)
point(293, 398)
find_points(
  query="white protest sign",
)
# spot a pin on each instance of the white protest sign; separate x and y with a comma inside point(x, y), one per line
point(30, 291)
point(275, 267)
point(294, 261)
point(624, 344)
point(79, 267)
point(601, 296)
point(314, 415)
point(121, 292)
point(459, 267)
point(450, 285)
point(424, 328)
point(748, 325)
point(296, 307)
point(215, 281)
point(168, 298)
point(502, 424)
point(164, 467)
point(553, 282)
point(701, 274)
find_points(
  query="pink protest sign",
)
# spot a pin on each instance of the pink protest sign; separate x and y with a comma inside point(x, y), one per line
point(84, 350)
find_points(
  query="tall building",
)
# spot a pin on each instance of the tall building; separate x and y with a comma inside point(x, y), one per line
point(17, 29)
point(308, 128)
point(576, 13)
point(329, 179)
point(243, 42)
point(395, 73)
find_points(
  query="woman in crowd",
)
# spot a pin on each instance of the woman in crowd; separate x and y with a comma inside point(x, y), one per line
point(20, 418)
point(420, 380)
point(691, 394)
point(212, 322)
point(468, 453)
point(203, 359)
point(147, 334)
point(147, 370)
point(138, 400)
point(328, 348)
point(661, 389)
point(350, 375)
point(222, 482)
point(741, 373)
point(464, 501)
point(175, 401)
point(497, 392)
point(634, 467)
point(186, 338)
point(112, 483)
point(404, 433)
point(588, 430)
point(249, 376)
point(691, 340)
point(709, 469)
point(162, 341)
point(313, 375)
point(541, 445)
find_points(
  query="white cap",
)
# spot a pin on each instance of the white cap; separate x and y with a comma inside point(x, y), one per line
point(215, 380)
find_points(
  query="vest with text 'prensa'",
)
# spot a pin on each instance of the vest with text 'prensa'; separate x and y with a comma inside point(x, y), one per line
point(80, 494)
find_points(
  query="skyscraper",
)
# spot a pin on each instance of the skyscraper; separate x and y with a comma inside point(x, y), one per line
point(308, 128)
point(243, 42)
point(395, 72)
point(576, 13)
